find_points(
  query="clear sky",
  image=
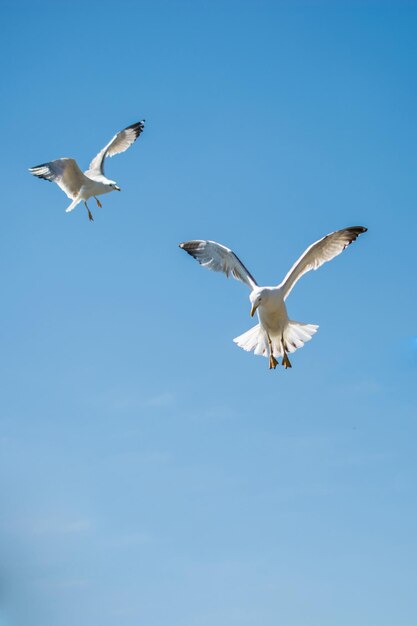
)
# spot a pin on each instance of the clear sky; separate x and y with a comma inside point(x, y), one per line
point(151, 472)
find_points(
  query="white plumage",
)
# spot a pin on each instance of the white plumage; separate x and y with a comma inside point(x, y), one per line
point(80, 186)
point(275, 335)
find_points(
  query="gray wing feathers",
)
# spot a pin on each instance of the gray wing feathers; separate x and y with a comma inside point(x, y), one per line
point(320, 252)
point(218, 258)
point(120, 142)
point(64, 172)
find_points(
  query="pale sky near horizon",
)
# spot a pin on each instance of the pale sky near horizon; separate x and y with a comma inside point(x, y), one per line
point(151, 472)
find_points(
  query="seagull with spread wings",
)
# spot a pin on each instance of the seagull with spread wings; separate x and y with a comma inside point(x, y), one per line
point(275, 335)
point(81, 186)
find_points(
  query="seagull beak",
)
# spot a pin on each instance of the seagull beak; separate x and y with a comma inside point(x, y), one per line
point(253, 309)
point(117, 188)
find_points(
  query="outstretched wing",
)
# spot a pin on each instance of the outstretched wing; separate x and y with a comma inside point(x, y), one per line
point(218, 258)
point(63, 172)
point(320, 252)
point(120, 142)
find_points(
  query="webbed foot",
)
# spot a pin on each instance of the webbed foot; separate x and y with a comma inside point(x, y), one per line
point(285, 361)
point(272, 362)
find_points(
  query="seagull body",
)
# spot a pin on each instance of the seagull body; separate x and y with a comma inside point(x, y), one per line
point(275, 335)
point(80, 186)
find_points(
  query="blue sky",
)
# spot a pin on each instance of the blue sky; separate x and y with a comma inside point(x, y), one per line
point(151, 472)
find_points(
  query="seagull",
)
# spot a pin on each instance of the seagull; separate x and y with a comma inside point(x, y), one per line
point(81, 186)
point(275, 335)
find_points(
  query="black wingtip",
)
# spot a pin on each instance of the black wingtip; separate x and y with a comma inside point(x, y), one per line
point(137, 127)
point(186, 246)
point(190, 247)
point(356, 230)
point(35, 172)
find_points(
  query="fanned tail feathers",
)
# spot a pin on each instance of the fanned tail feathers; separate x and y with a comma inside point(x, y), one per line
point(254, 339)
point(296, 335)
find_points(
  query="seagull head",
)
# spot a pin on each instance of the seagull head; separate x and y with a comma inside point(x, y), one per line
point(113, 185)
point(256, 298)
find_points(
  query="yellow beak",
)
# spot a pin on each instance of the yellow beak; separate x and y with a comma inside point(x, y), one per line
point(253, 309)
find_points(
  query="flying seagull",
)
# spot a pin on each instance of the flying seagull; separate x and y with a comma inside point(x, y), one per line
point(276, 334)
point(81, 186)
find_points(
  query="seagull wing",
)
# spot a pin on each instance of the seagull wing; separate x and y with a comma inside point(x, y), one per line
point(120, 142)
point(64, 172)
point(320, 252)
point(218, 258)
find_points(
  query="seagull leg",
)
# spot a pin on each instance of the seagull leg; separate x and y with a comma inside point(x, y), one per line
point(98, 203)
point(90, 215)
point(285, 360)
point(272, 360)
